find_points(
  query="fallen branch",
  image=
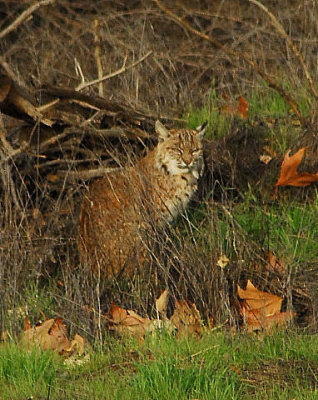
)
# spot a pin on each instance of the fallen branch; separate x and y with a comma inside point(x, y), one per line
point(270, 81)
point(26, 13)
point(118, 72)
point(86, 174)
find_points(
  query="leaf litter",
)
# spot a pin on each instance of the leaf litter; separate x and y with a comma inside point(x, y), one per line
point(261, 310)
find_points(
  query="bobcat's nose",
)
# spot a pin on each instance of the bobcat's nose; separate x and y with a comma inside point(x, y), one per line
point(187, 160)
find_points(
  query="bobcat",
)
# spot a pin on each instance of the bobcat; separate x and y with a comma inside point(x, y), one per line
point(120, 209)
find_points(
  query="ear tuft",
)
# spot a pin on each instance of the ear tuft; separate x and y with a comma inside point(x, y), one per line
point(161, 130)
point(201, 129)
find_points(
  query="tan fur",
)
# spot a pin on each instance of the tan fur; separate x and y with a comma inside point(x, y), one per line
point(120, 209)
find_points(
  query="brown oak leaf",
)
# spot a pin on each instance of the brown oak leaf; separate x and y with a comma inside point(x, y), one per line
point(51, 334)
point(288, 173)
point(127, 321)
point(261, 310)
point(186, 318)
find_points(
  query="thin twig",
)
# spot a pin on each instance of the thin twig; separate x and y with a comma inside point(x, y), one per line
point(26, 13)
point(14, 153)
point(6, 145)
point(47, 106)
point(11, 74)
point(52, 140)
point(290, 43)
point(118, 72)
point(97, 57)
point(270, 81)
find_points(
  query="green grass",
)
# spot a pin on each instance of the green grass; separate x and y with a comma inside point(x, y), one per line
point(219, 365)
point(216, 366)
point(264, 104)
point(289, 229)
point(26, 372)
point(218, 123)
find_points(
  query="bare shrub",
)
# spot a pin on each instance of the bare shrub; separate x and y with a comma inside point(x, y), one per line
point(39, 210)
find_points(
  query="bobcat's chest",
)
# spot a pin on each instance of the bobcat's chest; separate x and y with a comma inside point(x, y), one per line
point(172, 194)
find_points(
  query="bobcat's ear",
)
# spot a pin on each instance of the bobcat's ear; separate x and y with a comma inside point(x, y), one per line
point(201, 129)
point(161, 130)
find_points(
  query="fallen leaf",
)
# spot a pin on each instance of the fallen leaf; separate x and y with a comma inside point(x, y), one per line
point(261, 310)
point(186, 318)
point(290, 176)
point(127, 321)
point(223, 261)
point(257, 320)
point(51, 334)
point(162, 301)
point(242, 107)
point(256, 299)
point(274, 264)
point(264, 158)
point(77, 345)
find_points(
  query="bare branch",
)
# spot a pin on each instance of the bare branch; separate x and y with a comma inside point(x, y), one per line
point(14, 153)
point(290, 43)
point(26, 13)
point(86, 174)
point(6, 145)
point(118, 72)
point(270, 81)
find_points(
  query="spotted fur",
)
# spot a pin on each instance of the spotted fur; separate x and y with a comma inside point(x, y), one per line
point(120, 209)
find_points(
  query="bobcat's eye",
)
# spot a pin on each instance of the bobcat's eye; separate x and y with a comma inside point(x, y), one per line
point(195, 151)
point(177, 150)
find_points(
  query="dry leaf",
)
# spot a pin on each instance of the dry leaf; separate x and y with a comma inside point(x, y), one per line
point(223, 261)
point(275, 265)
point(242, 107)
point(162, 301)
point(186, 318)
point(52, 334)
point(290, 176)
point(261, 310)
point(77, 345)
point(264, 158)
point(127, 321)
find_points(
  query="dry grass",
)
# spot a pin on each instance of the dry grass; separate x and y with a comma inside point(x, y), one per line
point(39, 216)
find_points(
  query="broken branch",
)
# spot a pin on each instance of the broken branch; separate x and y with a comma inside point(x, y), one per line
point(118, 72)
point(26, 13)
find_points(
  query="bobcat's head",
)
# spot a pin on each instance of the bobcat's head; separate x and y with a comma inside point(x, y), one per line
point(180, 150)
